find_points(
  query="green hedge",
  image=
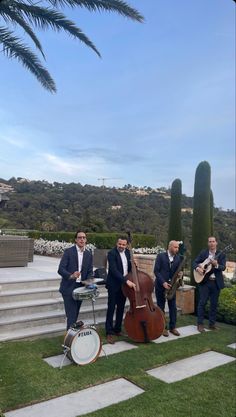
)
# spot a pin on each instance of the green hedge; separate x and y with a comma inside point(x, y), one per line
point(226, 311)
point(100, 240)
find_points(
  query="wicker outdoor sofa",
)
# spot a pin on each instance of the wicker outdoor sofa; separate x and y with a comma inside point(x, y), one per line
point(15, 251)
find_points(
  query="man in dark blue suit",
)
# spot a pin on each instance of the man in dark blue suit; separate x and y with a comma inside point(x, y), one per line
point(119, 266)
point(166, 265)
point(76, 266)
point(211, 284)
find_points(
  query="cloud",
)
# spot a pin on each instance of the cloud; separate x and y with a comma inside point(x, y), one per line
point(59, 165)
point(105, 155)
point(13, 138)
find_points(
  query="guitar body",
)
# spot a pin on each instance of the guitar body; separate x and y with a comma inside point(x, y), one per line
point(206, 266)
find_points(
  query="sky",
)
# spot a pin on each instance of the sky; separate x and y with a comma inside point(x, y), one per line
point(159, 101)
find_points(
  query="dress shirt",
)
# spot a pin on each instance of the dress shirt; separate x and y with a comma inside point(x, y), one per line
point(212, 256)
point(80, 260)
point(124, 263)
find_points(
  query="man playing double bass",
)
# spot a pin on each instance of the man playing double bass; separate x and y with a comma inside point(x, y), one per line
point(166, 265)
point(119, 266)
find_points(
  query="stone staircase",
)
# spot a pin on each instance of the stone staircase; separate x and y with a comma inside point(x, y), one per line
point(32, 307)
point(39, 310)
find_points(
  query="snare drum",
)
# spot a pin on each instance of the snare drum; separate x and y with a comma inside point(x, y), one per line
point(84, 293)
point(83, 345)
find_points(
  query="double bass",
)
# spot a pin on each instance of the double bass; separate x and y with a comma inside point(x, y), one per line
point(144, 321)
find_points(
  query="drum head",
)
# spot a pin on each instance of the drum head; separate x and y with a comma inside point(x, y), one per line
point(84, 293)
point(86, 346)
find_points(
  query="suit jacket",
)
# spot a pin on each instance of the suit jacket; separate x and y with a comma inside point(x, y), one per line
point(115, 276)
point(217, 271)
point(69, 264)
point(163, 270)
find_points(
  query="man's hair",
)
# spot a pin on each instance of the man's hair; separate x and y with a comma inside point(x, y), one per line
point(122, 237)
point(79, 231)
point(211, 237)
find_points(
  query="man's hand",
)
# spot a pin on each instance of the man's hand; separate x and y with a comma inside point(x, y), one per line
point(131, 284)
point(180, 274)
point(75, 275)
point(214, 263)
point(200, 270)
point(166, 285)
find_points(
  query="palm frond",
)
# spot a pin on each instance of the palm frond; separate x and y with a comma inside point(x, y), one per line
point(118, 6)
point(44, 18)
point(13, 48)
point(11, 15)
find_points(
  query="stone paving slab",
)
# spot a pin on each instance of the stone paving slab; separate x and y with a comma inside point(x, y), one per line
point(107, 349)
point(233, 346)
point(184, 332)
point(188, 367)
point(81, 402)
point(43, 267)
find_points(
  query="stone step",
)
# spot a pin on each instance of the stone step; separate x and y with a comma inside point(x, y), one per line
point(31, 306)
point(50, 330)
point(28, 294)
point(19, 284)
point(40, 294)
point(37, 316)
point(31, 320)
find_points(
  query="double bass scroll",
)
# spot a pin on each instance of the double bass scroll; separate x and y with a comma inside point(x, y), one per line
point(144, 321)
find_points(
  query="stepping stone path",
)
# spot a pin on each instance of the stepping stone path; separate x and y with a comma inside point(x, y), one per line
point(57, 361)
point(184, 332)
point(233, 346)
point(186, 368)
point(81, 402)
point(103, 395)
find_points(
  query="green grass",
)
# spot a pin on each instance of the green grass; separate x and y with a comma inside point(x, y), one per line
point(26, 379)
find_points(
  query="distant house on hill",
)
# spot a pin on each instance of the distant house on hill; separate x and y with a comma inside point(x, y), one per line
point(187, 210)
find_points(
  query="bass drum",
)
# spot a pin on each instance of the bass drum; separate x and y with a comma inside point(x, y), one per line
point(84, 345)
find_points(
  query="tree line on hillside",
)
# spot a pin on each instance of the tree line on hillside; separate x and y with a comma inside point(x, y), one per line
point(39, 205)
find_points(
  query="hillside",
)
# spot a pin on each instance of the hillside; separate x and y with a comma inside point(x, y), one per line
point(40, 205)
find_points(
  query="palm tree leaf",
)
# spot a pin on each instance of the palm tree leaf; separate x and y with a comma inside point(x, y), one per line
point(13, 48)
point(47, 17)
point(14, 17)
point(118, 6)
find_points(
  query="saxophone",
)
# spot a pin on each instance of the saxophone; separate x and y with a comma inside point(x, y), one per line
point(175, 281)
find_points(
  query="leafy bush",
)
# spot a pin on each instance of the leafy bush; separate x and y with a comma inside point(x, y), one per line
point(100, 240)
point(226, 311)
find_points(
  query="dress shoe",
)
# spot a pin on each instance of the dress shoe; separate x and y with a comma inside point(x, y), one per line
point(175, 332)
point(120, 334)
point(200, 328)
point(110, 339)
point(165, 333)
point(213, 327)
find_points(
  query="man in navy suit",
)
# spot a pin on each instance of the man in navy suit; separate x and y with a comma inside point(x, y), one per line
point(166, 265)
point(75, 267)
point(211, 284)
point(118, 269)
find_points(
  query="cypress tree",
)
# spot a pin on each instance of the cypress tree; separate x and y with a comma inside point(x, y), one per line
point(212, 213)
point(201, 227)
point(175, 229)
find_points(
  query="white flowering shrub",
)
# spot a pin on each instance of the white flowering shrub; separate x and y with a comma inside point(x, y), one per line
point(54, 247)
point(149, 251)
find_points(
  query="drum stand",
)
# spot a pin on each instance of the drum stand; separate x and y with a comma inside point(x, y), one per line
point(94, 320)
point(93, 303)
point(66, 350)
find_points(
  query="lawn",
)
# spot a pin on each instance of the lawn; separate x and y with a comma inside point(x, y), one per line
point(26, 379)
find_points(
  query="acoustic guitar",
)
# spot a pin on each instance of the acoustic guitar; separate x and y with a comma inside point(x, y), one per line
point(207, 266)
